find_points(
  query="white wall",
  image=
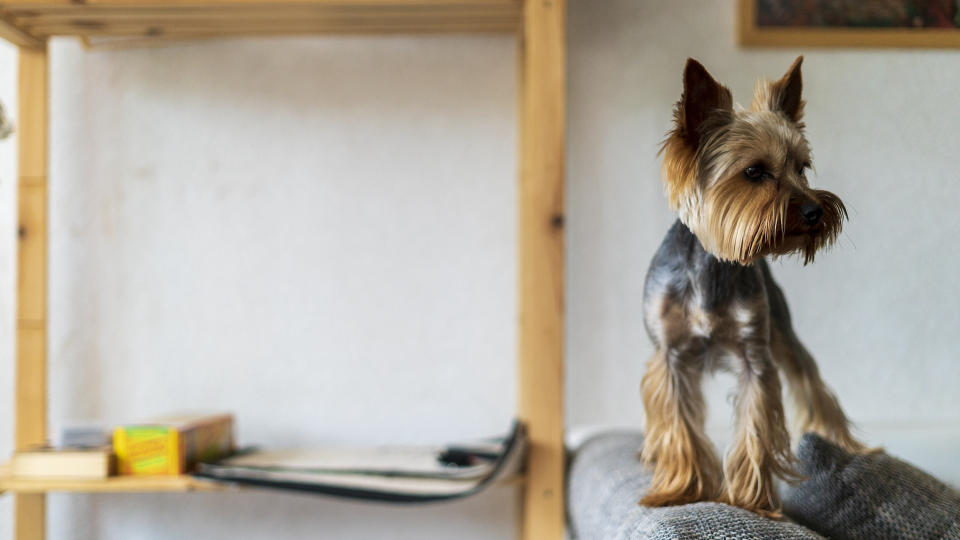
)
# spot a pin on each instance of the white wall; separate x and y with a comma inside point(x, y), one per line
point(318, 235)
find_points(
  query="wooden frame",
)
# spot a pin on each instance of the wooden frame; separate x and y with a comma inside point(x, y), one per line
point(137, 21)
point(541, 109)
point(751, 35)
point(31, 349)
point(540, 26)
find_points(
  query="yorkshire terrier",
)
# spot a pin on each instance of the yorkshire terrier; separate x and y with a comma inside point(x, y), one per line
point(737, 179)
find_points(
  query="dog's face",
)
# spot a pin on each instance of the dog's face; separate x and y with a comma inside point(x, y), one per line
point(737, 178)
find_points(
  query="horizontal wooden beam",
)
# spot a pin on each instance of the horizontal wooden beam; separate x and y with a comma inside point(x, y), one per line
point(228, 3)
point(282, 29)
point(152, 19)
point(85, 10)
point(134, 4)
point(926, 38)
point(9, 31)
point(114, 484)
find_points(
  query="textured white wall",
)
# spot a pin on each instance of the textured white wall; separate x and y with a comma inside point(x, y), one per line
point(318, 234)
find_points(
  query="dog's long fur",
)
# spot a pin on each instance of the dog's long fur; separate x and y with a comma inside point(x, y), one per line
point(710, 301)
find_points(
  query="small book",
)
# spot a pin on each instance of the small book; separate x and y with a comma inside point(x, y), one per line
point(68, 463)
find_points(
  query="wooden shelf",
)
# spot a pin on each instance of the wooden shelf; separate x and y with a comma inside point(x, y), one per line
point(540, 28)
point(27, 21)
point(114, 484)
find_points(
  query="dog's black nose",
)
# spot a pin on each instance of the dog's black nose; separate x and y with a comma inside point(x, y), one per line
point(811, 211)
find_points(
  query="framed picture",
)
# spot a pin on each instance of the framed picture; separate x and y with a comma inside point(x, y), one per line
point(849, 23)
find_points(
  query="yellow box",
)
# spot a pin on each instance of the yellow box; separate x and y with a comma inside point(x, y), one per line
point(172, 445)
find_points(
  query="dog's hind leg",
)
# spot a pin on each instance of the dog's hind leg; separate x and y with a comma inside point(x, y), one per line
point(817, 408)
point(686, 468)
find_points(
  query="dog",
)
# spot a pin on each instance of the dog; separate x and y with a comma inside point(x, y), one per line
point(737, 179)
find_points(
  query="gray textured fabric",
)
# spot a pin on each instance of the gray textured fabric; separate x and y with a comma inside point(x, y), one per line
point(871, 496)
point(606, 480)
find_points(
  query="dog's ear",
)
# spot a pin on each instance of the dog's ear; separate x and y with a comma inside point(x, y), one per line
point(702, 97)
point(785, 93)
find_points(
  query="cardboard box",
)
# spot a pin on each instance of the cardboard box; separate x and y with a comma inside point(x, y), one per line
point(172, 445)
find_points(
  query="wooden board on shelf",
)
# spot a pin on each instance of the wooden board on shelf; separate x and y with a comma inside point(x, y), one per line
point(26, 20)
point(114, 484)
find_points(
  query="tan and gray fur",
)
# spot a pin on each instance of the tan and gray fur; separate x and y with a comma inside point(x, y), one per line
point(737, 179)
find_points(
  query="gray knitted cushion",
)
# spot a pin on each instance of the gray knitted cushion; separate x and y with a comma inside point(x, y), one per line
point(606, 480)
point(871, 496)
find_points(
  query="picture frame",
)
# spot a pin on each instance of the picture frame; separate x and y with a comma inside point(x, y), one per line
point(844, 23)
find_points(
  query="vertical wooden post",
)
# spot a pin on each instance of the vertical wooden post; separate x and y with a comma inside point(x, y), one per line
point(541, 342)
point(31, 359)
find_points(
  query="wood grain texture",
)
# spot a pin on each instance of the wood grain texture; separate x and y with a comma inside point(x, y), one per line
point(227, 3)
point(541, 260)
point(31, 382)
point(146, 19)
point(750, 35)
point(31, 260)
point(29, 516)
point(14, 34)
point(31, 355)
point(116, 484)
point(278, 28)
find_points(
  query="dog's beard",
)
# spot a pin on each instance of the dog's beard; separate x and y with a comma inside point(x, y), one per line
point(743, 222)
point(806, 240)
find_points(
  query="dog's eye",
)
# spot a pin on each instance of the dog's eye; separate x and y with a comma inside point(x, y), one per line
point(754, 173)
